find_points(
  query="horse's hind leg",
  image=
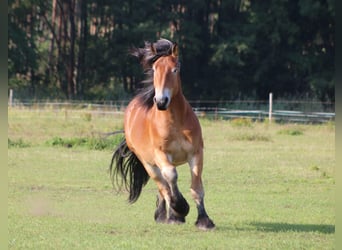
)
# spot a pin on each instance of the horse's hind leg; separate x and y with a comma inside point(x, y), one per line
point(160, 214)
point(170, 210)
point(196, 164)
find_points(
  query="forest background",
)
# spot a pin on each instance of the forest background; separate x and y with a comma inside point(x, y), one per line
point(229, 49)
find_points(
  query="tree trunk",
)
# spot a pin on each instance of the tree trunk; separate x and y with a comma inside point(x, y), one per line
point(72, 88)
point(83, 29)
point(53, 23)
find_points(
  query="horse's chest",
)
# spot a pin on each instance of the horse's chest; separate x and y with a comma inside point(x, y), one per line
point(177, 142)
point(179, 150)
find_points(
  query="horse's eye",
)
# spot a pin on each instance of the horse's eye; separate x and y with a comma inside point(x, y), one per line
point(174, 70)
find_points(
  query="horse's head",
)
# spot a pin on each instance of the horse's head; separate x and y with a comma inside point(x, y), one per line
point(166, 78)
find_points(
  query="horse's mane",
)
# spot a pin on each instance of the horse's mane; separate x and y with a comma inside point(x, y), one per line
point(147, 56)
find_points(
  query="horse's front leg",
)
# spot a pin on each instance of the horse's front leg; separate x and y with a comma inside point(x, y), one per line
point(177, 207)
point(196, 165)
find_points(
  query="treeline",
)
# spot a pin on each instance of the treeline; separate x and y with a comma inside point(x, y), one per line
point(229, 49)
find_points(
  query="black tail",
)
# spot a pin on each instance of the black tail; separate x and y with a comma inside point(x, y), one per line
point(133, 175)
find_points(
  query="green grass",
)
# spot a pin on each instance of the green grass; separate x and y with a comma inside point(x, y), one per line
point(17, 143)
point(291, 130)
point(96, 143)
point(265, 188)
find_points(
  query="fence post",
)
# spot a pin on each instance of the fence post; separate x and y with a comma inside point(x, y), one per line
point(270, 108)
point(10, 99)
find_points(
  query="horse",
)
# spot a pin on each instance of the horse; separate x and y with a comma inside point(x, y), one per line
point(161, 132)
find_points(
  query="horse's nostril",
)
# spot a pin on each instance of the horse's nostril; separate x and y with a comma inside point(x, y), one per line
point(163, 103)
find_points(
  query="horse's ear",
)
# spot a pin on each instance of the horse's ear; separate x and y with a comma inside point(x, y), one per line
point(175, 50)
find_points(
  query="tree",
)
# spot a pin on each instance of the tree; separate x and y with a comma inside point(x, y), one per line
point(22, 50)
point(232, 49)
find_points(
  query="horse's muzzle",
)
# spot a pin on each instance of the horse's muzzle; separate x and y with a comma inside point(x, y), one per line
point(162, 104)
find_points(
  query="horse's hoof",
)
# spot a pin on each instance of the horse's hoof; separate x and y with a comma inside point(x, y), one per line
point(160, 217)
point(205, 224)
point(161, 221)
point(176, 219)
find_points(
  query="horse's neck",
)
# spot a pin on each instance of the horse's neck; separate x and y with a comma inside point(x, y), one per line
point(178, 107)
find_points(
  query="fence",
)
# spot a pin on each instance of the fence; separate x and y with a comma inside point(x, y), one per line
point(272, 110)
point(276, 110)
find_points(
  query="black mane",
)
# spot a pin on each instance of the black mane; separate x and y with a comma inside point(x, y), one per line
point(146, 95)
point(147, 56)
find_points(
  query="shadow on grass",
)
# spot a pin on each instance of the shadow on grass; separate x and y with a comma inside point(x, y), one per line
point(286, 227)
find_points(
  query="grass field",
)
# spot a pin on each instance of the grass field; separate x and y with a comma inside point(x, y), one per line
point(267, 187)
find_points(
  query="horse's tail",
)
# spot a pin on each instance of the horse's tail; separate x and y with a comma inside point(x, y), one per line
point(126, 165)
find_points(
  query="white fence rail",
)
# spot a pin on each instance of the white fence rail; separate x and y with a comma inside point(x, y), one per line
point(277, 115)
point(278, 111)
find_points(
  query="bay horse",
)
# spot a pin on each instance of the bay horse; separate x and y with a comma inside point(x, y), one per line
point(161, 132)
